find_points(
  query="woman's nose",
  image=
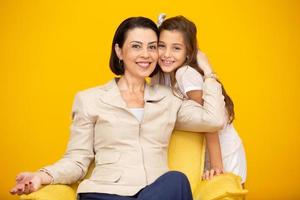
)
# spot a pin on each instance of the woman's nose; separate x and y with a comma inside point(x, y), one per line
point(145, 53)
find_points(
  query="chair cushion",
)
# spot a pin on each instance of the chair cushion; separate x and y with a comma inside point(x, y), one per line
point(186, 154)
point(225, 186)
point(52, 192)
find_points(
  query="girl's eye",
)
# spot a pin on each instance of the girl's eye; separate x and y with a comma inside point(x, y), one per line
point(161, 46)
point(177, 48)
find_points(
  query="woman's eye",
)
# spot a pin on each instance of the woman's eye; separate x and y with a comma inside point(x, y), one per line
point(153, 47)
point(136, 46)
point(177, 48)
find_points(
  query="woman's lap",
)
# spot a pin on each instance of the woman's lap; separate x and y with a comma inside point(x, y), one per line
point(172, 185)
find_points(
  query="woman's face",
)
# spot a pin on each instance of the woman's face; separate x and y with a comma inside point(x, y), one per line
point(172, 50)
point(139, 52)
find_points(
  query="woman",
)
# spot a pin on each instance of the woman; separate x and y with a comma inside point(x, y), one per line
point(126, 126)
point(178, 60)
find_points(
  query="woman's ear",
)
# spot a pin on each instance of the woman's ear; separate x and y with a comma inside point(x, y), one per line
point(118, 51)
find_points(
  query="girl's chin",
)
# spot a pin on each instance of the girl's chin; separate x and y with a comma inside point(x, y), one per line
point(167, 69)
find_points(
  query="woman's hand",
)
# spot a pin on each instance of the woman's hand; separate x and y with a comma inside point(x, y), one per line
point(209, 174)
point(27, 182)
point(203, 63)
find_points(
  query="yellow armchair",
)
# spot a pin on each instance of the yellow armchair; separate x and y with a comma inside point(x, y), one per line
point(186, 154)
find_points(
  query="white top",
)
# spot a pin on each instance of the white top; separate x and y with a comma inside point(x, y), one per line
point(138, 113)
point(189, 79)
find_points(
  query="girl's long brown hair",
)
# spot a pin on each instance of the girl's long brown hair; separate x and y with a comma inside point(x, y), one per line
point(189, 32)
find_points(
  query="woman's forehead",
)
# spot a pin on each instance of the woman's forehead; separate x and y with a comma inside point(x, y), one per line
point(144, 35)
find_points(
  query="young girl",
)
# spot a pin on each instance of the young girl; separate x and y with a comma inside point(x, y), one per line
point(179, 60)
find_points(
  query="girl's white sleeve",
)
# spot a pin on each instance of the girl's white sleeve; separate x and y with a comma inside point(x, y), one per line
point(189, 79)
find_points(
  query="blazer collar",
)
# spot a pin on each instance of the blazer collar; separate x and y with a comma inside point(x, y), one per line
point(112, 95)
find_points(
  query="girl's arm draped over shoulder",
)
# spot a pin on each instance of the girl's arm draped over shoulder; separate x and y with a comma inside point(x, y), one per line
point(207, 118)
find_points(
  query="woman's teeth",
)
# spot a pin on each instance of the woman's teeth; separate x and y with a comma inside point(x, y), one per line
point(144, 64)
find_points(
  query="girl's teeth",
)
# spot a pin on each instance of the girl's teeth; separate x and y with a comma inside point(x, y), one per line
point(168, 62)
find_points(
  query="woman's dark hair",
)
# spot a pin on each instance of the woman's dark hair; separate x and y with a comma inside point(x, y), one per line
point(189, 32)
point(128, 24)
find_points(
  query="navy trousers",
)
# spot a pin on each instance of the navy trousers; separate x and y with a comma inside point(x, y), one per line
point(172, 185)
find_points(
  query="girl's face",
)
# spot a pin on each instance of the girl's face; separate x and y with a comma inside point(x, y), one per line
point(139, 52)
point(172, 50)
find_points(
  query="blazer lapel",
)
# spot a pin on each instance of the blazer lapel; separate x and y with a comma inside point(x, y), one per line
point(112, 95)
point(152, 93)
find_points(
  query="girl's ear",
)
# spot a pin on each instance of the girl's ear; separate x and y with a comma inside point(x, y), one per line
point(118, 51)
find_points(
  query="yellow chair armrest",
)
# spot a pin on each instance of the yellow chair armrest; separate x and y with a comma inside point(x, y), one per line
point(225, 186)
point(52, 192)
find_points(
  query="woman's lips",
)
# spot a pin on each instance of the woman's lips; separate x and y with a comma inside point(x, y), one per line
point(143, 64)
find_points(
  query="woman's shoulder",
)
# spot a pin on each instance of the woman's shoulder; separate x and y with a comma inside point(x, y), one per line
point(95, 91)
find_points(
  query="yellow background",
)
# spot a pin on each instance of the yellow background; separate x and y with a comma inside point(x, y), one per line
point(49, 50)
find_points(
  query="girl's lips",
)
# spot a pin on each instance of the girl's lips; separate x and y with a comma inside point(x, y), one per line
point(167, 62)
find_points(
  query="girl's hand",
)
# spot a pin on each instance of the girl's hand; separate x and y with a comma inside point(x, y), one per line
point(27, 182)
point(209, 174)
point(203, 63)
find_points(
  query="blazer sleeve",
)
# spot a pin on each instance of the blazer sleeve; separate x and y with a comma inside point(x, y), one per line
point(194, 117)
point(74, 164)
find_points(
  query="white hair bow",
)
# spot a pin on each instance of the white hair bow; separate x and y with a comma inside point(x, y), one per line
point(160, 19)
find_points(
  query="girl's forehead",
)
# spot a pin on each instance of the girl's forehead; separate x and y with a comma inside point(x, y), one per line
point(171, 35)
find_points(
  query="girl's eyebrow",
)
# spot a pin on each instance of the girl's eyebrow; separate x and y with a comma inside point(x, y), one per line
point(173, 43)
point(178, 44)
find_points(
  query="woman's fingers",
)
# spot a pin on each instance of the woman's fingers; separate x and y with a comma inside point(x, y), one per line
point(20, 189)
point(15, 189)
point(31, 187)
point(25, 184)
point(26, 188)
point(20, 177)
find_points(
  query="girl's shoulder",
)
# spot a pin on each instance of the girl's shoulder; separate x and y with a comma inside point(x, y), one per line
point(187, 72)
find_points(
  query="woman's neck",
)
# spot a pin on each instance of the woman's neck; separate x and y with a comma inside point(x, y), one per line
point(131, 84)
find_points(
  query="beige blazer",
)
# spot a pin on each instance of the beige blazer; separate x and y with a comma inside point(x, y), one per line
point(130, 155)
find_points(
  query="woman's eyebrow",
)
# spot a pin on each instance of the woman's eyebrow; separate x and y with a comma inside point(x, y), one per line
point(136, 42)
point(139, 42)
point(154, 42)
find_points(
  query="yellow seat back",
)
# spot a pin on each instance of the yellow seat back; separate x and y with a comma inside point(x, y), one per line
point(187, 154)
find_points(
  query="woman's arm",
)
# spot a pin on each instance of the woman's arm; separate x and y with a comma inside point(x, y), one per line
point(74, 164)
point(212, 142)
